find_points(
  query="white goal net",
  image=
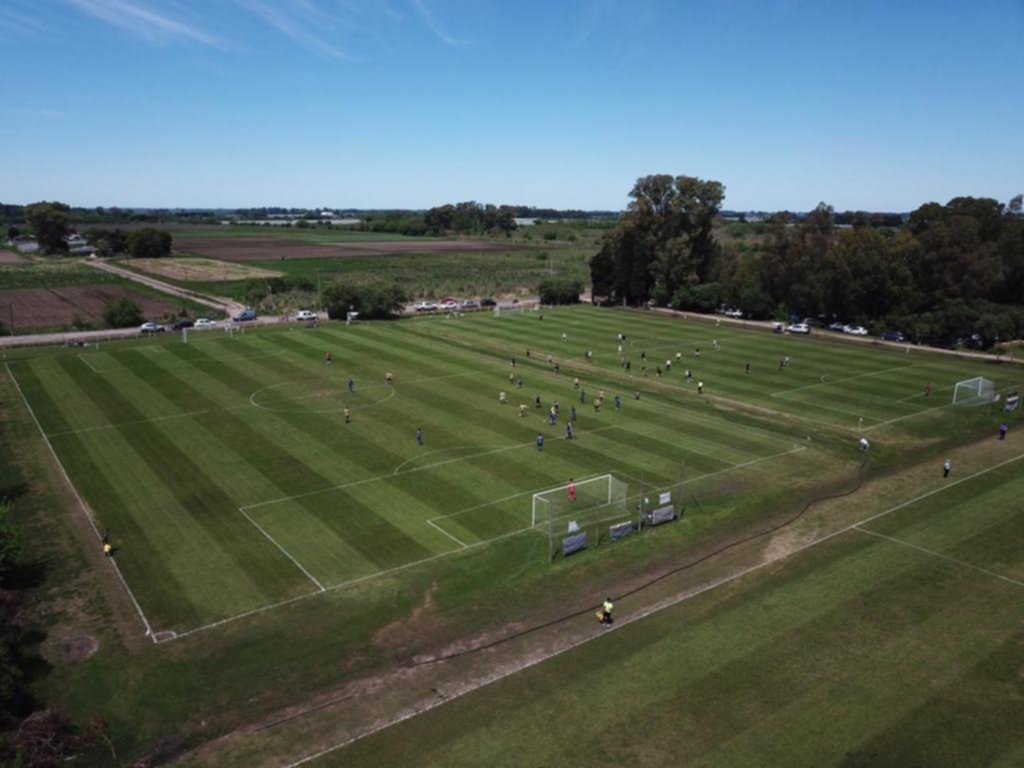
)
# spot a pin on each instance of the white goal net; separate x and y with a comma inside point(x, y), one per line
point(976, 391)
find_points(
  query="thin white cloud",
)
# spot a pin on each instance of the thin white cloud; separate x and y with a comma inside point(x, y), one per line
point(18, 23)
point(144, 22)
point(33, 112)
point(435, 25)
point(285, 19)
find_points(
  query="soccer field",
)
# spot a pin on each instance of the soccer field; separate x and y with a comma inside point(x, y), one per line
point(231, 482)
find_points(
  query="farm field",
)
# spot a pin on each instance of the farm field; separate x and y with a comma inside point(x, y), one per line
point(198, 270)
point(257, 249)
point(58, 307)
point(242, 505)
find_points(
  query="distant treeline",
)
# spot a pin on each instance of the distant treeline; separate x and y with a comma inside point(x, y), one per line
point(14, 215)
point(947, 273)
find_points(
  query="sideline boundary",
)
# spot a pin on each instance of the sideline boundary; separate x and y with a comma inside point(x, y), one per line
point(81, 505)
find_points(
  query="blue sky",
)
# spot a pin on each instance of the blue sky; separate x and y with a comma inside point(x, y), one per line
point(413, 103)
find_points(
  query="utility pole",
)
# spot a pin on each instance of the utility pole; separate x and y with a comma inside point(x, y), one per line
point(319, 295)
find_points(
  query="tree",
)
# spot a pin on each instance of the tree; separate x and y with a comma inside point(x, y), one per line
point(122, 313)
point(664, 240)
point(559, 291)
point(13, 232)
point(373, 301)
point(49, 223)
point(149, 243)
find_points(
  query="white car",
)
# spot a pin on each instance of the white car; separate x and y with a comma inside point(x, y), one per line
point(305, 314)
point(425, 306)
point(799, 328)
point(205, 322)
point(855, 330)
point(449, 306)
point(734, 313)
point(837, 326)
point(152, 328)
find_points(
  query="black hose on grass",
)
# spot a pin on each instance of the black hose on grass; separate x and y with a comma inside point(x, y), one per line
point(656, 579)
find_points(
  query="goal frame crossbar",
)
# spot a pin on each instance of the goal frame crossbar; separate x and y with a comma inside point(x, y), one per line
point(539, 496)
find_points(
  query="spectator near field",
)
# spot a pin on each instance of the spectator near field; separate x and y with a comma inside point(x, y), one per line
point(863, 444)
point(700, 387)
point(606, 612)
point(1003, 429)
point(947, 467)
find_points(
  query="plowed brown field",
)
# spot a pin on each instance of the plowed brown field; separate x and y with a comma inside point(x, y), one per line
point(45, 307)
point(276, 249)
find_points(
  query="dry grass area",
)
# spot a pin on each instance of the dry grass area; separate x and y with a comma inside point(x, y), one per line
point(279, 249)
point(195, 269)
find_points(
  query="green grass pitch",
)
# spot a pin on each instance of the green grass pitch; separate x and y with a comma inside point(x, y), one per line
point(231, 482)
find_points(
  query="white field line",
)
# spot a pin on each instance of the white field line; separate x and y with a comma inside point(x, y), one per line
point(908, 416)
point(674, 445)
point(942, 556)
point(81, 503)
point(783, 392)
point(795, 449)
point(398, 469)
point(378, 478)
point(181, 363)
point(284, 551)
point(450, 536)
point(626, 621)
point(85, 359)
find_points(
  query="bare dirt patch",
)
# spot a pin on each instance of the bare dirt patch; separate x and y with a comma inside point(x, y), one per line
point(72, 645)
point(277, 249)
point(45, 307)
point(11, 257)
point(421, 622)
point(207, 270)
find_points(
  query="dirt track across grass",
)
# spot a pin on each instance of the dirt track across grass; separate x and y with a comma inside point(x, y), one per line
point(200, 269)
point(43, 307)
point(276, 249)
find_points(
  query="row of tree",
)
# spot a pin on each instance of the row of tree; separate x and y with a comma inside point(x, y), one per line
point(947, 272)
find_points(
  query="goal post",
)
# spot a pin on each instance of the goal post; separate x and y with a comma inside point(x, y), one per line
point(976, 391)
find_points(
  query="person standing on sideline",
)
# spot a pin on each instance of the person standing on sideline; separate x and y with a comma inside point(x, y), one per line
point(108, 550)
point(1003, 429)
point(947, 468)
point(572, 490)
point(700, 387)
point(863, 444)
point(606, 612)
point(419, 436)
point(540, 442)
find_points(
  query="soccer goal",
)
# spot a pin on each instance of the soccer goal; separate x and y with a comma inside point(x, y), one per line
point(575, 514)
point(976, 391)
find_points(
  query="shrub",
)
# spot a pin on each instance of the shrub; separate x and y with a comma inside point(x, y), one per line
point(560, 291)
point(373, 301)
point(121, 313)
point(149, 243)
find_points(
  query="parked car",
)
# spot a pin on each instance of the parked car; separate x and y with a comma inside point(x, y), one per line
point(734, 313)
point(305, 314)
point(855, 330)
point(838, 325)
point(181, 325)
point(246, 314)
point(205, 322)
point(425, 306)
point(488, 302)
point(152, 328)
point(449, 304)
point(799, 328)
point(894, 336)
point(470, 304)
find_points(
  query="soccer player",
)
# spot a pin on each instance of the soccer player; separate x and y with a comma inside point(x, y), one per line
point(540, 442)
point(700, 387)
point(689, 375)
point(600, 394)
point(636, 394)
point(568, 431)
point(348, 416)
point(351, 386)
point(1003, 429)
point(552, 416)
point(696, 352)
point(668, 366)
point(785, 361)
point(522, 410)
point(628, 366)
point(328, 358)
point(511, 378)
point(576, 383)
point(782, 363)
point(643, 356)
point(572, 413)
point(863, 444)
point(597, 405)
point(583, 395)
point(389, 379)
point(657, 370)
point(714, 345)
point(572, 490)
point(564, 337)
point(519, 382)
point(556, 406)
point(558, 369)
point(947, 468)
point(536, 401)
point(748, 368)
point(502, 398)
point(928, 389)
point(514, 358)
point(419, 436)
point(618, 402)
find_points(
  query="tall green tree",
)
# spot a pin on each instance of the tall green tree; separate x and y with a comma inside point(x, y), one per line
point(149, 243)
point(49, 222)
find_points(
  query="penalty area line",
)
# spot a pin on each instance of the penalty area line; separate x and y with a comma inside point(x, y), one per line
point(286, 553)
